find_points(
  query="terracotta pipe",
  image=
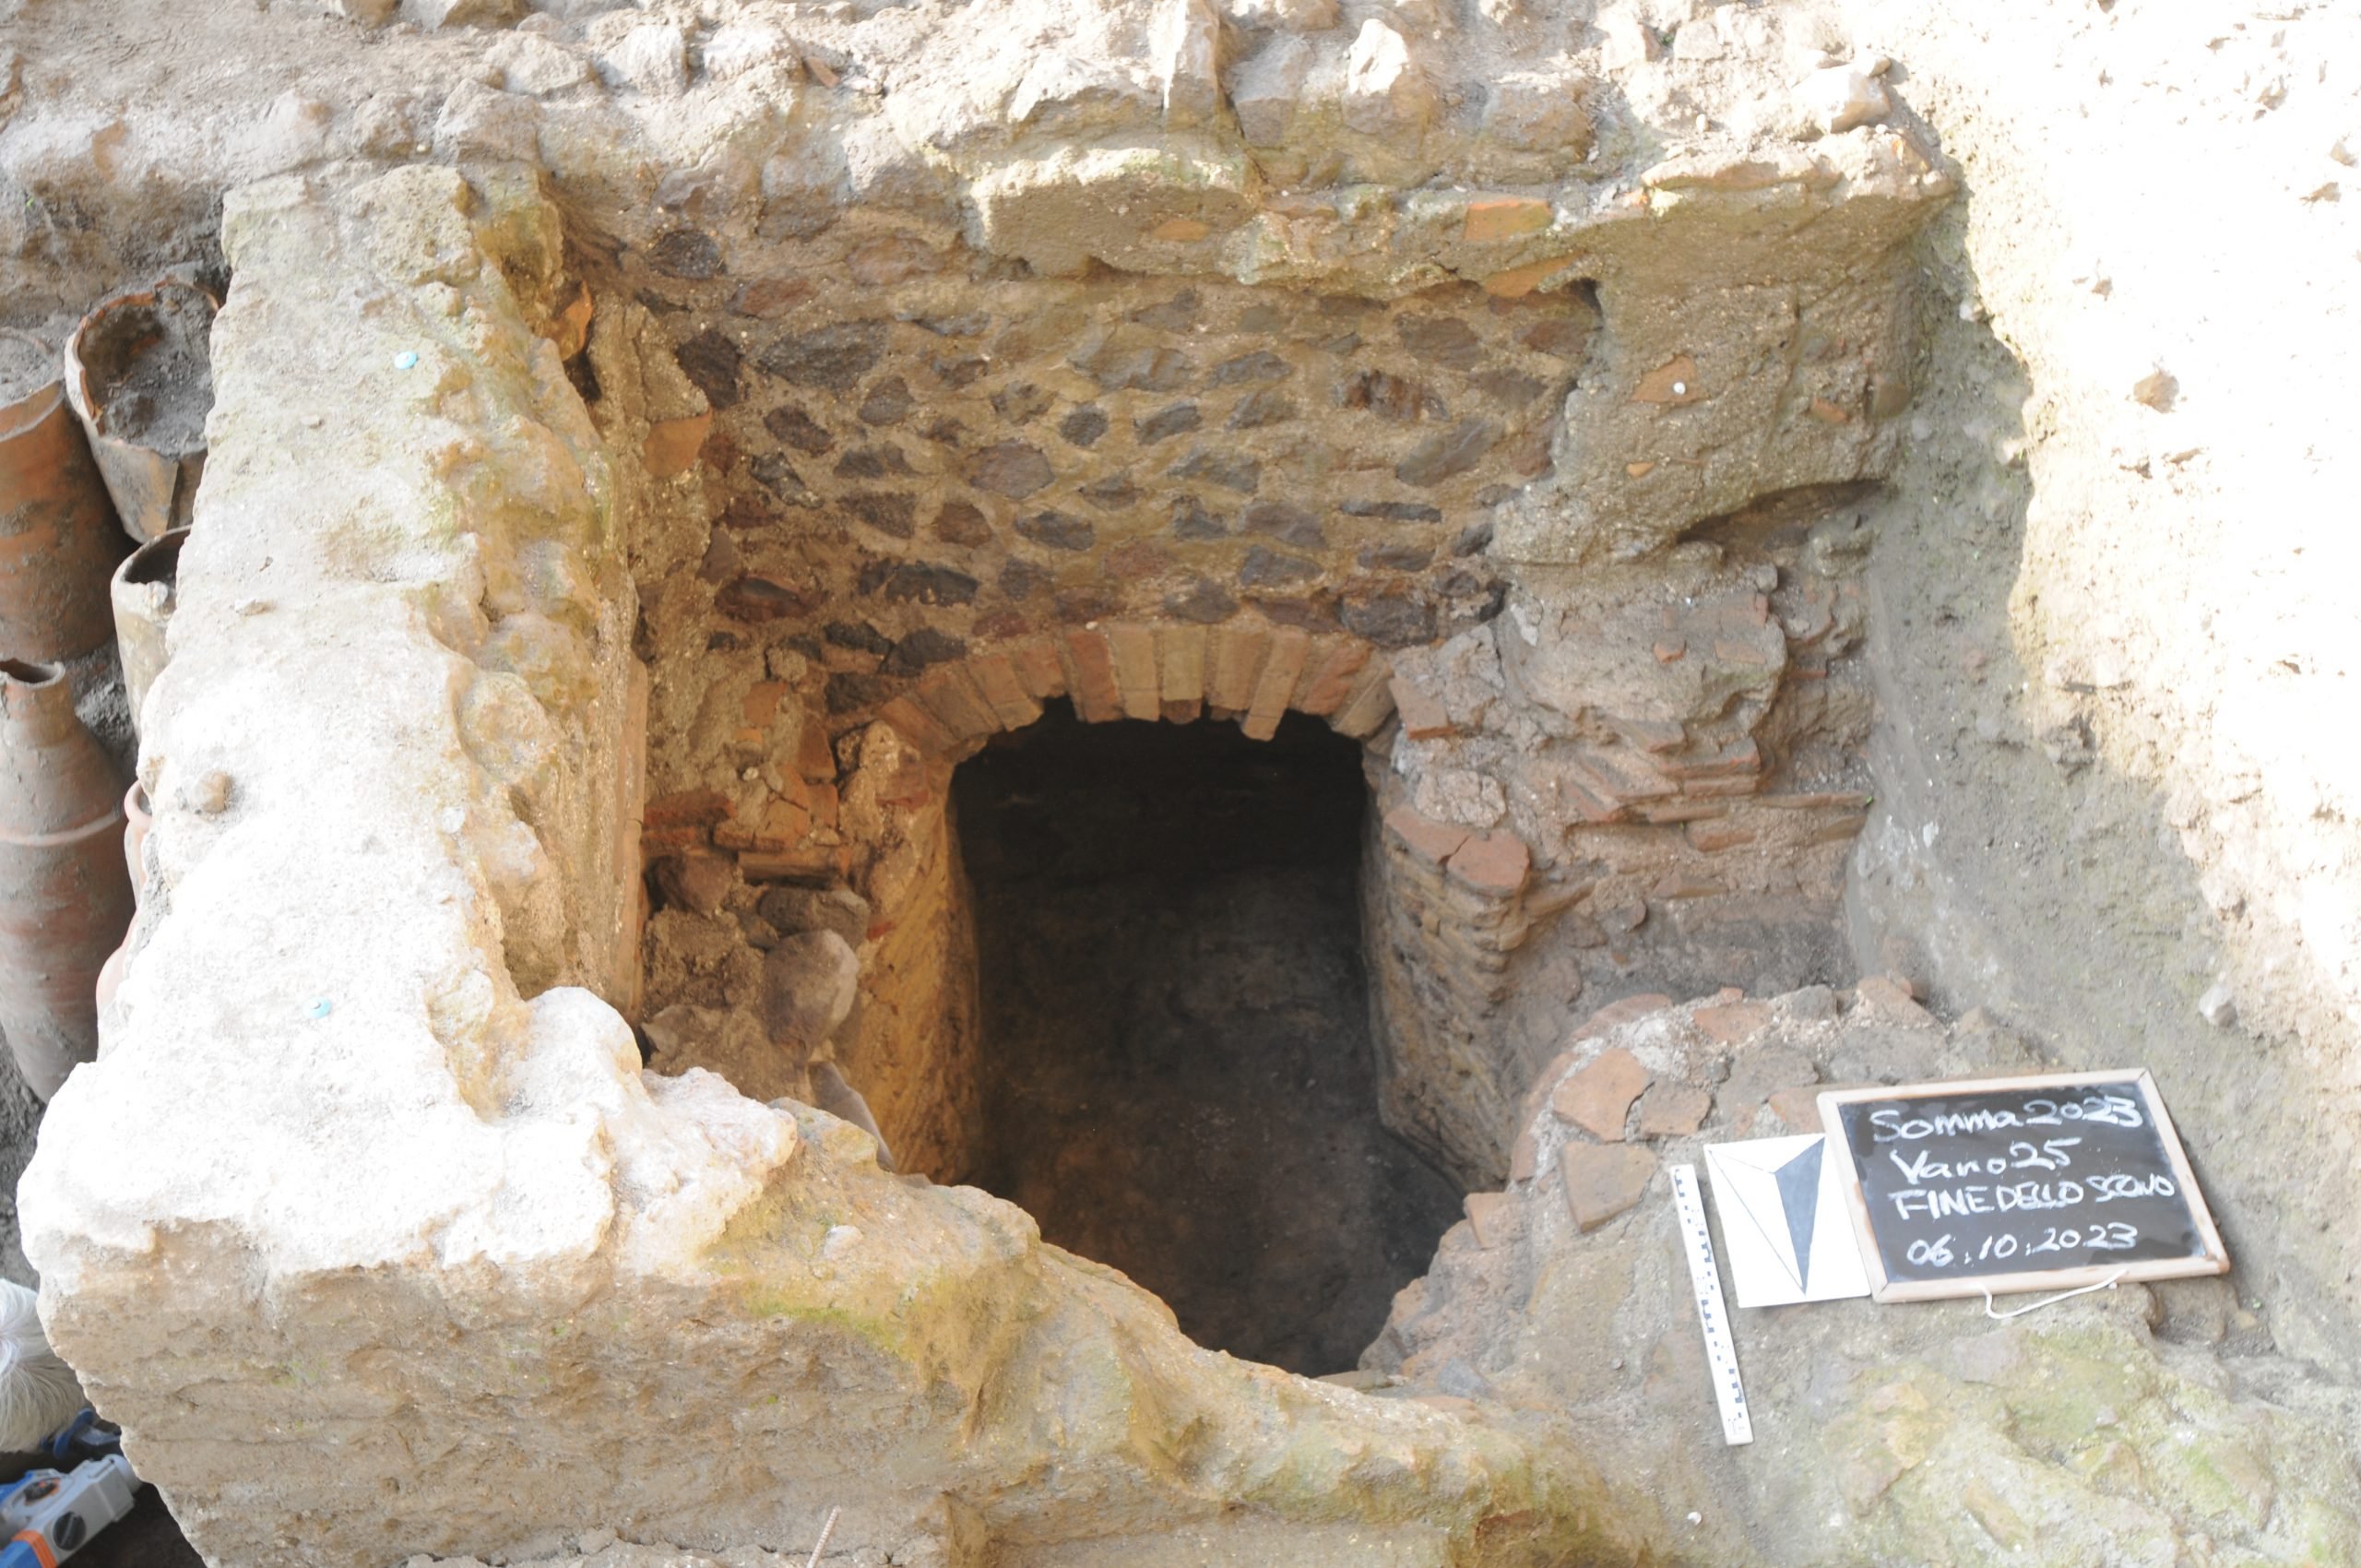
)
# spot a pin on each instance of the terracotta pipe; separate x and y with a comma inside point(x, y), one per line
point(143, 590)
point(58, 537)
point(154, 489)
point(65, 898)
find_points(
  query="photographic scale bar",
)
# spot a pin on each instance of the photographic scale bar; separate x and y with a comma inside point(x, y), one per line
point(1712, 1317)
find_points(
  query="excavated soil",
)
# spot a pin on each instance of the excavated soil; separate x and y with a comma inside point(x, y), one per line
point(26, 365)
point(1176, 1031)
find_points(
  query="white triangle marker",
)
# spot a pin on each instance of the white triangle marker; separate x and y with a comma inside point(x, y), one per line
point(1784, 1226)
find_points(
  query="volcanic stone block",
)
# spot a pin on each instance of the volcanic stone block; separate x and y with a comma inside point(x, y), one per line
point(1230, 469)
point(1166, 422)
point(1448, 453)
point(961, 522)
point(1191, 521)
point(1388, 615)
point(888, 403)
point(1259, 409)
point(798, 429)
point(1126, 362)
point(1203, 602)
point(1267, 568)
point(1057, 531)
point(832, 357)
point(1442, 339)
point(712, 362)
point(923, 648)
point(1260, 366)
point(810, 981)
point(1083, 426)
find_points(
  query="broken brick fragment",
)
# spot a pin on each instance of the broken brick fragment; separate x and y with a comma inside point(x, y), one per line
point(1598, 1099)
point(1431, 841)
point(1496, 864)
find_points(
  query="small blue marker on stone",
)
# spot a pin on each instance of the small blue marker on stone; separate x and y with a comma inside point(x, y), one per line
point(406, 360)
point(321, 1008)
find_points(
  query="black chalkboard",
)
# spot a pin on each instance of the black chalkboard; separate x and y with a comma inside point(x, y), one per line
point(2026, 1184)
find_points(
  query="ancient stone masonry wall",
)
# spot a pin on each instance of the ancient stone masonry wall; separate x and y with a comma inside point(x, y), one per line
point(1654, 772)
point(1023, 380)
point(1664, 783)
point(926, 458)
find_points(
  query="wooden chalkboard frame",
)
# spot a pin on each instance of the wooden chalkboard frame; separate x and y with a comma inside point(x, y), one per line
point(2214, 1259)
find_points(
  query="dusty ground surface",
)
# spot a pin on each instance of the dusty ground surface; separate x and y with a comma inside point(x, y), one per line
point(2108, 634)
point(1176, 1026)
point(26, 364)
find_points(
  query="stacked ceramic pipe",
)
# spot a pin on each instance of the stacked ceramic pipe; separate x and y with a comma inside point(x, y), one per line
point(86, 474)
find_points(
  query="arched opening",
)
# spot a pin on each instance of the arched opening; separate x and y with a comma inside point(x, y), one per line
point(1176, 1036)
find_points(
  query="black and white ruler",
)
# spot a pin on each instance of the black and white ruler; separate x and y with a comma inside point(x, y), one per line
point(1712, 1317)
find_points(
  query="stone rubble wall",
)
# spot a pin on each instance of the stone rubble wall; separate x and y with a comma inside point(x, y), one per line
point(909, 456)
point(987, 374)
point(1640, 780)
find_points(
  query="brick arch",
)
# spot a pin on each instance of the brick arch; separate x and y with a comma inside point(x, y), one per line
point(1149, 670)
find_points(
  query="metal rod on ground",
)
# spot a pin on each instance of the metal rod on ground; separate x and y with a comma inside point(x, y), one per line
point(822, 1544)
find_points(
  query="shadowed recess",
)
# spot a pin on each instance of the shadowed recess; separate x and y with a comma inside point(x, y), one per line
point(1176, 1026)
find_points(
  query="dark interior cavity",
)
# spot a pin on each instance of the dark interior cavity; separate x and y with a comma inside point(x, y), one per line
point(1176, 1026)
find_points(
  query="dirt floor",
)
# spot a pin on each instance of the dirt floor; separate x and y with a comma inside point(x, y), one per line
point(1177, 1021)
